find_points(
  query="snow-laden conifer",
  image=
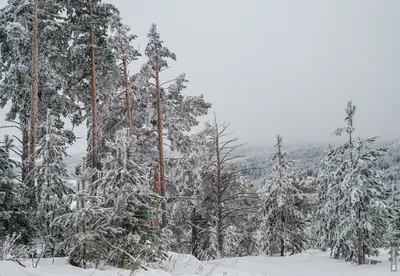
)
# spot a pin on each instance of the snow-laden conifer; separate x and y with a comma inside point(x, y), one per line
point(132, 202)
point(283, 226)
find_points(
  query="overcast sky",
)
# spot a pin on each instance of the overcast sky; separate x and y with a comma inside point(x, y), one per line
point(283, 67)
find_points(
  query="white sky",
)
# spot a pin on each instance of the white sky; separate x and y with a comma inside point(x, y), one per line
point(282, 67)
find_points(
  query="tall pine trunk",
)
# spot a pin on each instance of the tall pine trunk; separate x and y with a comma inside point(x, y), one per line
point(35, 86)
point(161, 148)
point(94, 92)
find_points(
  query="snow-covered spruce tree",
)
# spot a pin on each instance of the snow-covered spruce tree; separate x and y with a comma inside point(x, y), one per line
point(363, 209)
point(186, 195)
point(88, 223)
point(356, 197)
point(283, 224)
point(49, 178)
point(129, 195)
point(328, 181)
point(13, 217)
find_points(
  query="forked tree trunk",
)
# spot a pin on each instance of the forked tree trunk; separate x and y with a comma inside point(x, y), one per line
point(164, 221)
point(35, 86)
point(94, 92)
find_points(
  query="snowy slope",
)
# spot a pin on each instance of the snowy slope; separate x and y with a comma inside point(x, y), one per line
point(311, 263)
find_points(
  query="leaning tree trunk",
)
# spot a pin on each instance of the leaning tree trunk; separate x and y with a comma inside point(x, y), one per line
point(35, 86)
point(161, 149)
point(94, 92)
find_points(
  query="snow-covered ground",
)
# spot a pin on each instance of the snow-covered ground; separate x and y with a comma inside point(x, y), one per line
point(310, 263)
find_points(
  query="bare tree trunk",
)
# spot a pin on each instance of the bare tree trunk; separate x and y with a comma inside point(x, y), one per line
point(127, 97)
point(94, 93)
point(282, 247)
point(219, 196)
point(35, 86)
point(161, 148)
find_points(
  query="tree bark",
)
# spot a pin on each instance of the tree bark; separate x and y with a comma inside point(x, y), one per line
point(94, 92)
point(161, 148)
point(35, 86)
point(282, 247)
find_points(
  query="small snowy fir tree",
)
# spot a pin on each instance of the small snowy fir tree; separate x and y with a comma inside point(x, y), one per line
point(13, 218)
point(283, 225)
point(133, 204)
point(49, 178)
point(88, 223)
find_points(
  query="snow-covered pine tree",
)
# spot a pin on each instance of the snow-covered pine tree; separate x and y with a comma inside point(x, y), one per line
point(356, 203)
point(121, 43)
point(283, 225)
point(157, 54)
point(91, 64)
point(49, 177)
point(16, 65)
point(129, 195)
point(166, 108)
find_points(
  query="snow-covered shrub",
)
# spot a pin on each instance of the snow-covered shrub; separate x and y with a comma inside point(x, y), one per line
point(10, 249)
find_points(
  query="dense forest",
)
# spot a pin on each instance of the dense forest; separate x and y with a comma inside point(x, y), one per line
point(149, 183)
